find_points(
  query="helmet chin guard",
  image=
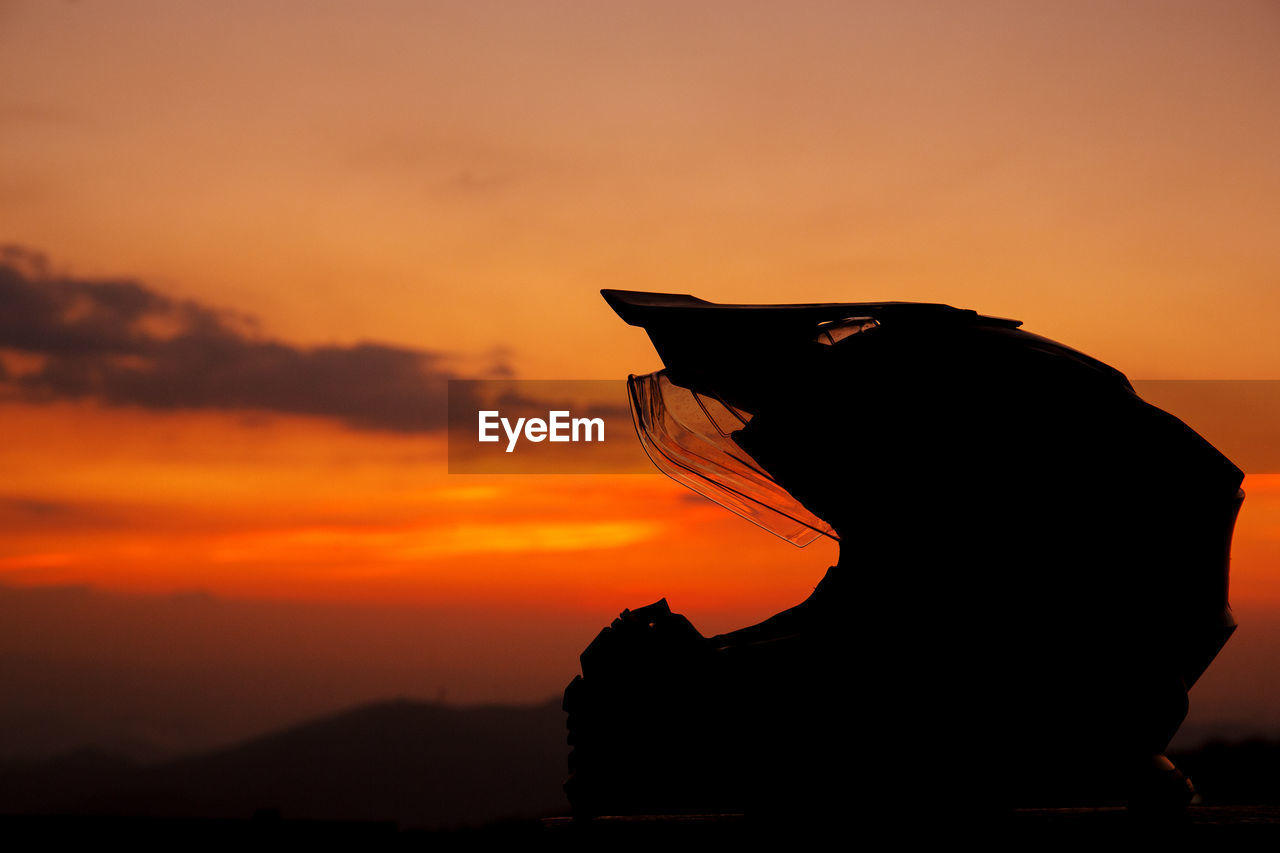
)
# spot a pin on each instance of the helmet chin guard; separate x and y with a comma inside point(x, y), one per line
point(691, 437)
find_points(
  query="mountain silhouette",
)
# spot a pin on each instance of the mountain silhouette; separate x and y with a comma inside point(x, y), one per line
point(418, 764)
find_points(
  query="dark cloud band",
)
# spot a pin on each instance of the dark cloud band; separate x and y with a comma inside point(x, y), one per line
point(122, 343)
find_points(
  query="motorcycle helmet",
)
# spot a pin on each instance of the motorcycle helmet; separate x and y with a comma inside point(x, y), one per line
point(1033, 559)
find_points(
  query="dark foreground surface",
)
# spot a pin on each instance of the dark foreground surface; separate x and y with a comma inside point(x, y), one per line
point(1030, 821)
point(676, 831)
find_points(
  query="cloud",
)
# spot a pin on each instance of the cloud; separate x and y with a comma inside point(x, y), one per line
point(123, 344)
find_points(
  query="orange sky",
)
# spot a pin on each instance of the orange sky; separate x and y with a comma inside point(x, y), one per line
point(463, 177)
point(459, 175)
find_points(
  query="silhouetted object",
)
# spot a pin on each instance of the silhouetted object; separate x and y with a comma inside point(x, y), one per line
point(1032, 573)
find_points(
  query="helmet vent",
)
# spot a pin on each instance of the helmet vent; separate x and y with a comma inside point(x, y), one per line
point(832, 332)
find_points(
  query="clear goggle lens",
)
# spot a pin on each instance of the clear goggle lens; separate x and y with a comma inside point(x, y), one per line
point(689, 436)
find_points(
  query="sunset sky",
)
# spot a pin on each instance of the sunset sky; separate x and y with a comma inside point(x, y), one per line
point(249, 243)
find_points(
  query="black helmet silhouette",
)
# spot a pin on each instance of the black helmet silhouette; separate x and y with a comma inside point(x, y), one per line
point(1033, 566)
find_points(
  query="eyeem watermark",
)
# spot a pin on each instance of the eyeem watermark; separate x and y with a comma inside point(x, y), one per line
point(559, 426)
point(529, 426)
point(542, 426)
